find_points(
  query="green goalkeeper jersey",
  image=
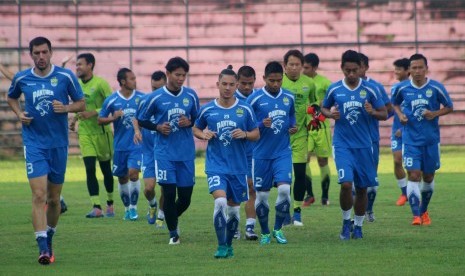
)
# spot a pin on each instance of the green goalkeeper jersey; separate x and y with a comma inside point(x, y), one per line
point(303, 90)
point(321, 83)
point(96, 90)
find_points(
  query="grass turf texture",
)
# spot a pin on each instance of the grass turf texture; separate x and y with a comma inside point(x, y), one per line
point(111, 246)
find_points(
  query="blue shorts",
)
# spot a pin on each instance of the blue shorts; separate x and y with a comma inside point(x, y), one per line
point(375, 148)
point(125, 160)
point(235, 186)
point(148, 164)
point(423, 158)
point(50, 162)
point(396, 143)
point(268, 172)
point(355, 165)
point(180, 173)
point(249, 167)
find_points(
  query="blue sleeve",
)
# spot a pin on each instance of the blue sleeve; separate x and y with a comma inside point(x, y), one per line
point(200, 122)
point(74, 88)
point(384, 95)
point(396, 98)
point(146, 110)
point(444, 97)
point(328, 100)
point(14, 91)
point(251, 121)
point(106, 108)
point(196, 109)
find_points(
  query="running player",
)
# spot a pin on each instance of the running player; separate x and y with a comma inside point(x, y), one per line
point(401, 73)
point(245, 88)
point(47, 89)
point(227, 124)
point(352, 103)
point(174, 109)
point(303, 89)
point(120, 109)
point(272, 155)
point(379, 88)
point(319, 135)
point(95, 141)
point(421, 99)
point(147, 138)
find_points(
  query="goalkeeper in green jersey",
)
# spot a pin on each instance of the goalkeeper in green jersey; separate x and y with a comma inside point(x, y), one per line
point(319, 134)
point(95, 141)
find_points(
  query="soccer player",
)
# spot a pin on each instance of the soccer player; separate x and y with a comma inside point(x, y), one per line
point(174, 109)
point(9, 75)
point(379, 88)
point(272, 155)
point(227, 124)
point(352, 103)
point(147, 138)
point(47, 89)
point(120, 109)
point(95, 141)
point(303, 89)
point(319, 135)
point(421, 99)
point(401, 73)
point(245, 88)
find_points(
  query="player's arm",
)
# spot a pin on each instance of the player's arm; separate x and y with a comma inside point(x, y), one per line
point(137, 134)
point(7, 73)
point(430, 115)
point(402, 118)
point(379, 113)
point(76, 106)
point(109, 119)
point(16, 107)
point(203, 134)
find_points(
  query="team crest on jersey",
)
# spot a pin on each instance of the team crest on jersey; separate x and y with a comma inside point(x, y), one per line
point(352, 116)
point(419, 113)
point(286, 101)
point(239, 112)
point(185, 102)
point(429, 93)
point(137, 101)
point(363, 94)
point(305, 88)
point(54, 81)
point(44, 106)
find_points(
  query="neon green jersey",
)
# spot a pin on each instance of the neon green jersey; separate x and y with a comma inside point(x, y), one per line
point(321, 83)
point(304, 93)
point(96, 90)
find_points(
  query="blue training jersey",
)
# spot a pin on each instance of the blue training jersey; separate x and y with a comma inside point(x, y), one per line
point(275, 140)
point(164, 106)
point(419, 131)
point(148, 136)
point(353, 129)
point(395, 122)
point(48, 129)
point(123, 127)
point(374, 126)
point(250, 144)
point(224, 154)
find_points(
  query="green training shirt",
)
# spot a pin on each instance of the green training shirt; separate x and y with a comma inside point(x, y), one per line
point(321, 83)
point(96, 90)
point(303, 90)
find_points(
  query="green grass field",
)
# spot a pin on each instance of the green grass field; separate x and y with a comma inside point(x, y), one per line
point(111, 246)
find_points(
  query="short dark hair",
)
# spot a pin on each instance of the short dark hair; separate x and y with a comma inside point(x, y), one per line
point(402, 62)
point(228, 72)
point(175, 63)
point(296, 53)
point(246, 71)
point(158, 75)
point(364, 59)
point(121, 75)
point(350, 56)
point(417, 57)
point(88, 57)
point(273, 67)
point(312, 59)
point(40, 40)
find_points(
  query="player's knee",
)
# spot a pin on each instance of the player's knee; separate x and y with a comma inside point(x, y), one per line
point(428, 178)
point(414, 176)
point(284, 190)
point(346, 186)
point(123, 179)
